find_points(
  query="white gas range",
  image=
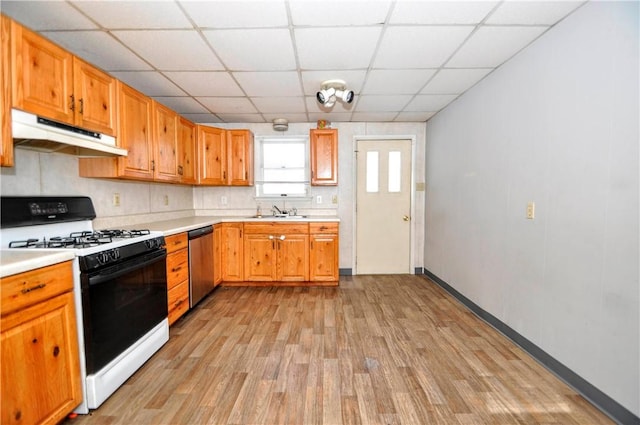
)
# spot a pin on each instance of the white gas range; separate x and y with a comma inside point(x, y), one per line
point(120, 285)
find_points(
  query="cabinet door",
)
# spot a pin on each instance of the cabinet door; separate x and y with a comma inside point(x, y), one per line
point(135, 133)
point(95, 98)
point(187, 151)
point(165, 140)
point(6, 141)
point(212, 147)
point(323, 258)
point(40, 366)
point(260, 258)
point(324, 157)
point(232, 252)
point(293, 258)
point(217, 254)
point(42, 75)
point(240, 145)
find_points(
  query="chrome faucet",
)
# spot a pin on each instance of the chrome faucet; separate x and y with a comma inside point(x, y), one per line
point(275, 210)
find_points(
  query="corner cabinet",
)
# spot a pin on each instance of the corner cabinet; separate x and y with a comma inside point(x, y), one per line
point(324, 157)
point(226, 157)
point(39, 346)
point(6, 139)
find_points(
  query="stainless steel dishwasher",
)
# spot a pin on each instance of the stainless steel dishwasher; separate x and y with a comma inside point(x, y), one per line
point(200, 264)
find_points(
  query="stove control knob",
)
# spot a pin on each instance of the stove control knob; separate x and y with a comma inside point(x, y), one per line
point(102, 257)
point(152, 243)
point(114, 254)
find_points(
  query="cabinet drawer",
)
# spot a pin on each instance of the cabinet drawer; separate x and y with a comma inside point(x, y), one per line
point(326, 227)
point(177, 267)
point(24, 289)
point(178, 300)
point(273, 228)
point(176, 242)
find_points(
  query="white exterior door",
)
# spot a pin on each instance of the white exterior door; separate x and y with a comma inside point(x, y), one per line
point(383, 207)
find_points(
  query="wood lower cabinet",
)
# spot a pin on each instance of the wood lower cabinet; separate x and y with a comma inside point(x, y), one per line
point(324, 157)
point(323, 254)
point(232, 252)
point(217, 254)
point(275, 252)
point(177, 275)
point(40, 369)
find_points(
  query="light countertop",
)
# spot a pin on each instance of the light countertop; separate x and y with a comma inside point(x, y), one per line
point(18, 261)
point(180, 225)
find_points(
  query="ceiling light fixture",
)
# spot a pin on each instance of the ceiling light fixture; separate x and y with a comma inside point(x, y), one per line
point(280, 124)
point(331, 90)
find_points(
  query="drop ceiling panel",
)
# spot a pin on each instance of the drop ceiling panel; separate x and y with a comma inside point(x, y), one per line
point(454, 81)
point(285, 83)
point(329, 117)
point(382, 103)
point(46, 15)
point(491, 46)
point(241, 118)
point(339, 108)
point(295, 117)
point(374, 116)
point(182, 104)
point(246, 14)
point(228, 105)
point(338, 13)
point(312, 80)
point(413, 116)
point(100, 49)
point(206, 83)
point(441, 12)
point(150, 83)
point(252, 50)
point(202, 118)
point(429, 102)
point(532, 12)
point(274, 104)
point(179, 50)
point(336, 48)
point(400, 81)
point(134, 14)
point(419, 47)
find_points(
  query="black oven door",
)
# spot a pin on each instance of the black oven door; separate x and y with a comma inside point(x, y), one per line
point(121, 303)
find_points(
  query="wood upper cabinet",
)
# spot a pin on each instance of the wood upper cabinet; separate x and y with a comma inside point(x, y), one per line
point(323, 255)
point(48, 80)
point(135, 133)
point(165, 142)
point(226, 157)
point(324, 157)
point(187, 151)
point(276, 252)
point(6, 140)
point(40, 367)
point(232, 252)
point(240, 148)
point(212, 146)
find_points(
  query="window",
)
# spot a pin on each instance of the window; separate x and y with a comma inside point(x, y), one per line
point(282, 166)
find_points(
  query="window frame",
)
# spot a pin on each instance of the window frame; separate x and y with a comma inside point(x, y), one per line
point(259, 167)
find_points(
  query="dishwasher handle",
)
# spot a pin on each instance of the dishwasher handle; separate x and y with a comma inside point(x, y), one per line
point(200, 232)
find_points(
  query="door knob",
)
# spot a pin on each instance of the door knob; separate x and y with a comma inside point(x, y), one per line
point(406, 218)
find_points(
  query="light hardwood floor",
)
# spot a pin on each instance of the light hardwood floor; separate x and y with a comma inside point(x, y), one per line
point(375, 350)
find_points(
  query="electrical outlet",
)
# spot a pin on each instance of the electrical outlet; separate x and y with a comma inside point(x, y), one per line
point(166, 199)
point(223, 200)
point(318, 199)
point(531, 210)
point(116, 199)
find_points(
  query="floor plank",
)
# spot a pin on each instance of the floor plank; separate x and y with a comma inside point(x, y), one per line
point(375, 350)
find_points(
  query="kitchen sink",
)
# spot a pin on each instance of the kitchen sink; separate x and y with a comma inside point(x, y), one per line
point(278, 216)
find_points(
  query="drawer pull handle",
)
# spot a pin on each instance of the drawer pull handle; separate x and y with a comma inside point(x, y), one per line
point(179, 303)
point(33, 288)
point(175, 269)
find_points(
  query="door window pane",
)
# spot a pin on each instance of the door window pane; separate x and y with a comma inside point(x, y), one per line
point(372, 171)
point(395, 171)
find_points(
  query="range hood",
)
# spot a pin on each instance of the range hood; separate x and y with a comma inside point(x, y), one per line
point(43, 135)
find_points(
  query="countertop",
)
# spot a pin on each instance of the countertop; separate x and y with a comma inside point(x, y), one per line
point(14, 261)
point(179, 225)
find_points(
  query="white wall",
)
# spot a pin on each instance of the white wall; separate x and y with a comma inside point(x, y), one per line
point(557, 125)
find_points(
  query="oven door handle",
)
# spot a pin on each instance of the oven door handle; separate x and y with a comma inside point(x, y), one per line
point(112, 272)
